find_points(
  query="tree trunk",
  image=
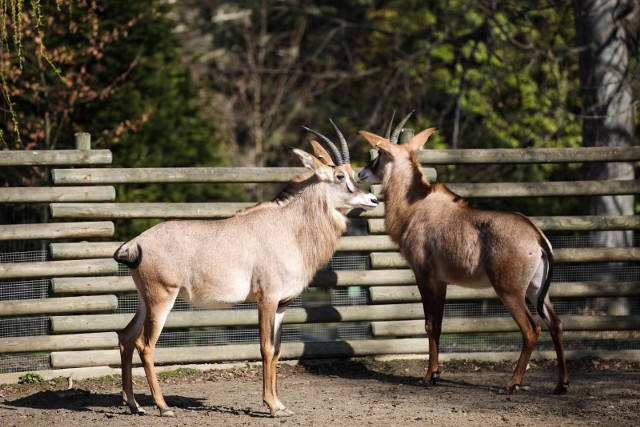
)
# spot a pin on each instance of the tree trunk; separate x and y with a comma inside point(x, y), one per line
point(607, 30)
point(607, 103)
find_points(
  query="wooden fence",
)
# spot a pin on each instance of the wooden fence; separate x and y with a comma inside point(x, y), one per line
point(84, 307)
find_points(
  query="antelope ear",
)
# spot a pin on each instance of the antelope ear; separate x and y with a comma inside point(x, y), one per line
point(377, 141)
point(309, 161)
point(420, 139)
point(321, 153)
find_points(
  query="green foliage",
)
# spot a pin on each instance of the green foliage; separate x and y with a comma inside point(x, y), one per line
point(30, 378)
point(177, 373)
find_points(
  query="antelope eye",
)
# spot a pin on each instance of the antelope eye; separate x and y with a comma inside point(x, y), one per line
point(340, 176)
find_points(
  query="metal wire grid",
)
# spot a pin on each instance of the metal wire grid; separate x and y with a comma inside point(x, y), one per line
point(21, 362)
point(26, 256)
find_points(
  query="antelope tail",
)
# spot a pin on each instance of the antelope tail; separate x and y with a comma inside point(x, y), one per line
point(129, 254)
point(544, 290)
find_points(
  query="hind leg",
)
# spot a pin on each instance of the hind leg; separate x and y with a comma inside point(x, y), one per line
point(555, 330)
point(127, 338)
point(530, 330)
point(146, 342)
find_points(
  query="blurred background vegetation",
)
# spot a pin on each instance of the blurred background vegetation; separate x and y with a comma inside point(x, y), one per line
point(231, 83)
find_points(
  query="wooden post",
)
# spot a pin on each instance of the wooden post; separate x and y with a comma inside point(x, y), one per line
point(83, 141)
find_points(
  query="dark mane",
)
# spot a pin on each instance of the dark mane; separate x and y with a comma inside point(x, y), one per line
point(292, 189)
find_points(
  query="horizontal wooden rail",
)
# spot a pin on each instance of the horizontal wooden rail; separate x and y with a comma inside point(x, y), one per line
point(54, 157)
point(92, 285)
point(82, 250)
point(558, 223)
point(183, 175)
point(57, 194)
point(540, 189)
point(385, 260)
point(53, 231)
point(415, 328)
point(221, 318)
point(528, 155)
point(175, 175)
point(59, 342)
point(403, 294)
point(163, 210)
point(47, 306)
point(26, 270)
point(211, 354)
point(325, 278)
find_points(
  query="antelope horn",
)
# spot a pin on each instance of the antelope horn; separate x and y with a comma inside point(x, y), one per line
point(387, 134)
point(343, 141)
point(331, 145)
point(398, 129)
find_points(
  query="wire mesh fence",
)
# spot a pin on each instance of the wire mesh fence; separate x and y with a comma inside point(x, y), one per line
point(354, 296)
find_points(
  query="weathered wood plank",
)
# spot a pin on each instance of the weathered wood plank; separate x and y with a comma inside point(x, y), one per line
point(558, 223)
point(54, 157)
point(528, 155)
point(46, 306)
point(415, 328)
point(52, 231)
point(481, 190)
point(385, 260)
point(220, 318)
point(24, 270)
point(162, 210)
point(82, 250)
point(176, 175)
point(57, 194)
point(92, 285)
point(309, 350)
point(77, 250)
point(326, 278)
point(403, 294)
point(59, 342)
point(183, 175)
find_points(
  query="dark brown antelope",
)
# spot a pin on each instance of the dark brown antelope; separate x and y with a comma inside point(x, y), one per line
point(445, 241)
point(268, 254)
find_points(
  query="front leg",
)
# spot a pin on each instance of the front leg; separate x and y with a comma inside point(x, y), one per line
point(433, 295)
point(270, 319)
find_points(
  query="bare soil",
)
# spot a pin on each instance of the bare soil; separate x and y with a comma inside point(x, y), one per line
point(345, 393)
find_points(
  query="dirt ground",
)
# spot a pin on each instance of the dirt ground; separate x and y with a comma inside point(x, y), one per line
point(344, 393)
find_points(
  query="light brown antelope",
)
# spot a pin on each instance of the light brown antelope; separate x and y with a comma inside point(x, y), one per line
point(445, 241)
point(268, 254)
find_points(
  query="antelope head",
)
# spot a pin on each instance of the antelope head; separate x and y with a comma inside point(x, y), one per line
point(337, 169)
point(389, 150)
point(344, 193)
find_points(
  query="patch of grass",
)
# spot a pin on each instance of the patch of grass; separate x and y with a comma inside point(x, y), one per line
point(104, 378)
point(58, 380)
point(30, 378)
point(177, 373)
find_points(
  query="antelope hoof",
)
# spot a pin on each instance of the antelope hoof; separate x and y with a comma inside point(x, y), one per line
point(137, 411)
point(281, 413)
point(517, 387)
point(167, 413)
point(562, 388)
point(432, 379)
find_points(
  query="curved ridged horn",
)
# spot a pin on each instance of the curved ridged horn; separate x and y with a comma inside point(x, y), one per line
point(387, 134)
point(343, 141)
point(331, 145)
point(398, 129)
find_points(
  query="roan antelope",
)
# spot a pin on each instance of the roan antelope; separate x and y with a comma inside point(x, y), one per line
point(445, 241)
point(268, 253)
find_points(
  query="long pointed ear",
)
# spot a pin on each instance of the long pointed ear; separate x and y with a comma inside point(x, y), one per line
point(377, 141)
point(420, 139)
point(309, 161)
point(321, 153)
